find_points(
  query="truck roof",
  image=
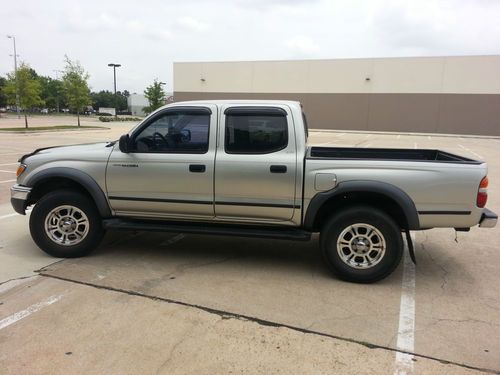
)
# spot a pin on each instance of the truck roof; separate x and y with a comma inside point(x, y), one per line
point(240, 101)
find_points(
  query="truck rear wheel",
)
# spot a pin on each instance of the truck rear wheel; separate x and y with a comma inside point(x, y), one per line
point(361, 244)
point(66, 224)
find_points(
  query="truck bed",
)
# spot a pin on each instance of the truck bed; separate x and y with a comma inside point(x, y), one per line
point(400, 154)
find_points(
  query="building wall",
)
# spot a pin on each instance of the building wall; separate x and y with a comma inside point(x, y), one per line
point(427, 94)
point(136, 103)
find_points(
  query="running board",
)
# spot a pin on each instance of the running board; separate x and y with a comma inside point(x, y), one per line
point(279, 233)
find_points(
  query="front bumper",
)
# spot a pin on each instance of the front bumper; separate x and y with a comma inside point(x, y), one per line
point(488, 219)
point(19, 196)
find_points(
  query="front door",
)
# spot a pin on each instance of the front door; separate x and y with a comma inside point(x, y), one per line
point(170, 171)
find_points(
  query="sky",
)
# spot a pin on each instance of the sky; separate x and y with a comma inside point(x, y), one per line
point(146, 37)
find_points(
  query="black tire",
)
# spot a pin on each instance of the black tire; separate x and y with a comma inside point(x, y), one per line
point(384, 224)
point(51, 201)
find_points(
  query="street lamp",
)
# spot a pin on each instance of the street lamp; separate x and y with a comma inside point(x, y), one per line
point(15, 74)
point(114, 80)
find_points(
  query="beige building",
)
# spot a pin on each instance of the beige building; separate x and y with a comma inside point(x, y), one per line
point(459, 95)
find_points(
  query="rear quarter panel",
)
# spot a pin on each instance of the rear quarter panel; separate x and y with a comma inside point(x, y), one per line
point(433, 186)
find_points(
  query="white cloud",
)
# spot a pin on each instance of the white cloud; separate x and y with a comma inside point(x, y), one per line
point(193, 24)
point(302, 45)
point(147, 40)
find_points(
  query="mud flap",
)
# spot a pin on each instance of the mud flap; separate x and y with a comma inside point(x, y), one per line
point(410, 246)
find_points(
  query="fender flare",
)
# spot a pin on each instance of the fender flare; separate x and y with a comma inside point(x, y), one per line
point(87, 182)
point(365, 186)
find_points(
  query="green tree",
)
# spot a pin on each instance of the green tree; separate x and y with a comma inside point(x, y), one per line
point(121, 100)
point(28, 88)
point(105, 98)
point(52, 90)
point(3, 95)
point(76, 88)
point(155, 95)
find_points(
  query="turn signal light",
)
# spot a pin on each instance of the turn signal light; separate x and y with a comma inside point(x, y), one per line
point(20, 170)
point(484, 183)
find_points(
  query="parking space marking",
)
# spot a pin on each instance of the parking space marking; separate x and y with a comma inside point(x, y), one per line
point(4, 171)
point(27, 312)
point(8, 215)
point(472, 152)
point(406, 330)
point(5, 181)
point(3, 165)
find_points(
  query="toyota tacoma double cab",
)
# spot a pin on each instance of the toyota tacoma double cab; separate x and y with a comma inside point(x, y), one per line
point(244, 168)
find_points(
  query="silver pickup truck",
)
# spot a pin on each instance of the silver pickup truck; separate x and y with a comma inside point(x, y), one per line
point(244, 168)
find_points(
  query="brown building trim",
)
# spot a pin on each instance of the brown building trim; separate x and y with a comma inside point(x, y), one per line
point(476, 114)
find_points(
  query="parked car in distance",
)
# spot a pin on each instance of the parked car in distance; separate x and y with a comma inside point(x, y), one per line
point(244, 168)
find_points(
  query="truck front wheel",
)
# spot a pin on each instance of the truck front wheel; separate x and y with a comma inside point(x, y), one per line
point(361, 244)
point(66, 224)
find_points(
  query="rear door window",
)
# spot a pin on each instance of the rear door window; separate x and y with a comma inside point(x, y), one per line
point(252, 132)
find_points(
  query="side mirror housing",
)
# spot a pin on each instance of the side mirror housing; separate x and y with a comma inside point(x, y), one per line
point(124, 143)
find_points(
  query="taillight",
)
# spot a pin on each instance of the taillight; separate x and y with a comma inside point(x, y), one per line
point(482, 193)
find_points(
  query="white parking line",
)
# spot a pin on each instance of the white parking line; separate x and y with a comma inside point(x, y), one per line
point(472, 152)
point(2, 170)
point(27, 312)
point(8, 215)
point(13, 153)
point(5, 181)
point(3, 165)
point(406, 330)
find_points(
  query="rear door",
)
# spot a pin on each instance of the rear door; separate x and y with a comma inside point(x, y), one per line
point(170, 171)
point(256, 164)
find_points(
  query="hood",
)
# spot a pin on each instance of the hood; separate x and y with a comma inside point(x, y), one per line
point(71, 150)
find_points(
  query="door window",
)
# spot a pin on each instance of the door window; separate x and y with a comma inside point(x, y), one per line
point(255, 133)
point(175, 132)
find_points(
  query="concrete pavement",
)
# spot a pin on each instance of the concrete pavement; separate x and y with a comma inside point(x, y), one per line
point(170, 303)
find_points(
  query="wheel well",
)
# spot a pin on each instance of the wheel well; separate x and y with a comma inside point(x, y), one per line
point(376, 200)
point(55, 183)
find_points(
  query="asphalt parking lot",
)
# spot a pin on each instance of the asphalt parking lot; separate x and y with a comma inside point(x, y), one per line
point(176, 303)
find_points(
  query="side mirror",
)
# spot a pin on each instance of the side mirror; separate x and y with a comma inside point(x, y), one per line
point(124, 143)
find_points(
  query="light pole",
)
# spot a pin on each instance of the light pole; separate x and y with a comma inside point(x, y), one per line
point(57, 88)
point(114, 81)
point(15, 74)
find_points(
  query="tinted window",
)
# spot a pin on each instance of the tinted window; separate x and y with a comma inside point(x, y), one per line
point(255, 134)
point(175, 132)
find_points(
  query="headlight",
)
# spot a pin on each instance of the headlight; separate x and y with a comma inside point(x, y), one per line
point(20, 169)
